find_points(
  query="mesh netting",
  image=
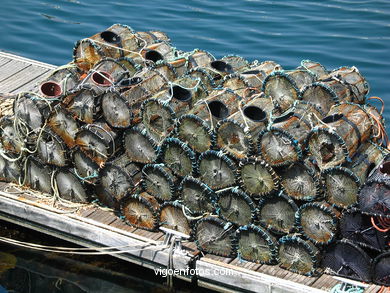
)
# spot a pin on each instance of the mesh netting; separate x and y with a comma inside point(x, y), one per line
point(139, 145)
point(116, 111)
point(70, 186)
point(381, 269)
point(172, 217)
point(158, 181)
point(82, 104)
point(37, 175)
point(52, 150)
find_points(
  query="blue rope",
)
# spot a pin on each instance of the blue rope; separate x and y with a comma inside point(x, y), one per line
point(346, 288)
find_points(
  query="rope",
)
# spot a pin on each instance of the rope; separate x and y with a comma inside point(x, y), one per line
point(346, 288)
point(210, 114)
point(384, 222)
point(243, 117)
point(183, 208)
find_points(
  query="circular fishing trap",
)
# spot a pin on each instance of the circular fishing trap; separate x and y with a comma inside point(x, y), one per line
point(158, 51)
point(233, 138)
point(216, 169)
point(152, 80)
point(172, 217)
point(37, 176)
point(10, 138)
point(106, 73)
point(116, 110)
point(298, 255)
point(157, 118)
point(255, 244)
point(31, 110)
point(84, 167)
point(341, 186)
point(64, 125)
point(10, 170)
point(205, 77)
point(158, 181)
point(86, 53)
point(300, 181)
point(315, 68)
point(66, 77)
point(215, 236)
point(50, 89)
point(196, 196)
point(238, 84)
point(282, 88)
point(318, 222)
point(51, 149)
point(83, 104)
point(199, 59)
point(130, 65)
point(177, 156)
point(381, 269)
point(141, 211)
point(70, 187)
point(140, 147)
point(278, 147)
point(236, 207)
point(302, 77)
point(195, 132)
point(320, 95)
point(237, 63)
point(277, 213)
point(166, 69)
point(97, 141)
point(358, 228)
point(257, 178)
point(346, 259)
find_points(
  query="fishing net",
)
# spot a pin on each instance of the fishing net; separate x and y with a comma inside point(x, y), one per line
point(298, 255)
point(51, 149)
point(177, 156)
point(196, 196)
point(141, 211)
point(70, 187)
point(277, 213)
point(381, 269)
point(158, 180)
point(214, 236)
point(140, 147)
point(347, 260)
point(216, 169)
point(172, 217)
point(256, 245)
point(236, 207)
point(257, 178)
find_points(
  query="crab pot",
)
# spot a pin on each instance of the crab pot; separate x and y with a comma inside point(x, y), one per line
point(256, 74)
point(381, 269)
point(135, 95)
point(374, 195)
point(84, 167)
point(277, 213)
point(150, 37)
point(238, 63)
point(117, 178)
point(37, 175)
point(301, 181)
point(215, 236)
point(178, 157)
point(98, 141)
point(337, 138)
point(152, 80)
point(70, 187)
point(315, 68)
point(236, 134)
point(10, 170)
point(308, 110)
point(62, 123)
point(358, 228)
point(236, 207)
point(32, 110)
point(256, 245)
point(282, 88)
point(9, 137)
point(83, 104)
point(131, 66)
point(158, 181)
point(141, 211)
point(67, 77)
point(204, 76)
point(217, 170)
point(195, 132)
point(192, 60)
point(86, 53)
point(318, 222)
point(357, 85)
point(238, 84)
point(156, 52)
point(347, 259)
point(196, 196)
point(50, 89)
point(140, 147)
point(298, 255)
point(172, 217)
point(116, 110)
point(341, 186)
point(257, 178)
point(281, 144)
point(166, 69)
point(51, 149)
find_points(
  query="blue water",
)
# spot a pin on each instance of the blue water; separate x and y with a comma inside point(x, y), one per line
point(333, 32)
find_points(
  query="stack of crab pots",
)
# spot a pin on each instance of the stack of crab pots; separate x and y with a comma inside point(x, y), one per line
point(250, 160)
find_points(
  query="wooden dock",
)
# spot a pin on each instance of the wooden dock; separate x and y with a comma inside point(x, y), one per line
point(90, 225)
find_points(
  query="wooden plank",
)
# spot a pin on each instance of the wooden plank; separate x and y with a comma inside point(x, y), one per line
point(325, 282)
point(11, 68)
point(104, 217)
point(120, 224)
point(27, 60)
point(32, 85)
point(26, 75)
point(4, 61)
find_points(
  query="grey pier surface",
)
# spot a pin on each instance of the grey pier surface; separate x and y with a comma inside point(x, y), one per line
point(92, 226)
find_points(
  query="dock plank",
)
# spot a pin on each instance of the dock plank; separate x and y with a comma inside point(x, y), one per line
point(27, 74)
point(10, 69)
